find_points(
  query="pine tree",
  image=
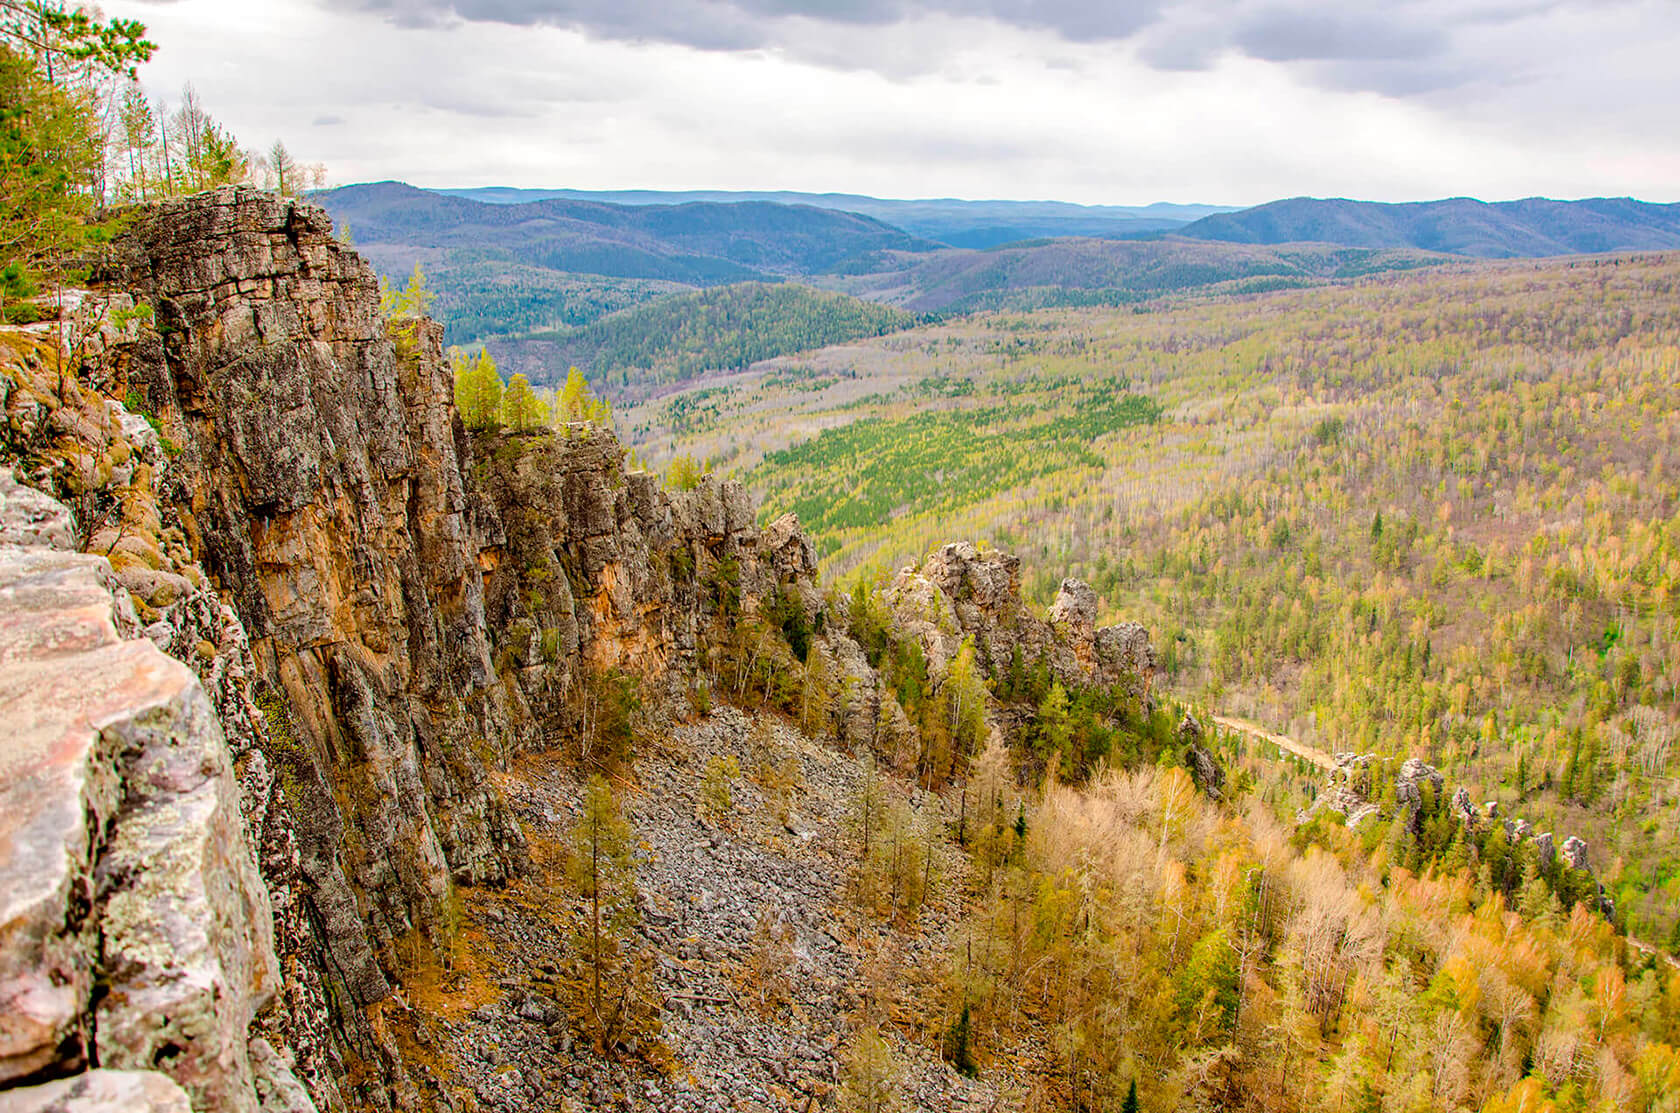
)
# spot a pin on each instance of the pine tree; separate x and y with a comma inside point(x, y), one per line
point(579, 403)
point(684, 473)
point(1130, 1104)
point(413, 300)
point(282, 174)
point(816, 703)
point(603, 873)
point(966, 696)
point(209, 156)
point(140, 133)
point(957, 1050)
point(869, 1083)
point(522, 410)
point(49, 156)
point(1051, 727)
point(478, 389)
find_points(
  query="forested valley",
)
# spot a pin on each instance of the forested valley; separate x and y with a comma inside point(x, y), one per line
point(1203, 677)
point(1425, 515)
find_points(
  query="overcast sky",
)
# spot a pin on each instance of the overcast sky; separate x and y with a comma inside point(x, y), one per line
point(1124, 102)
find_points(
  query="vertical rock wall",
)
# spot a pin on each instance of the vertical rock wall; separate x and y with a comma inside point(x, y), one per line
point(319, 479)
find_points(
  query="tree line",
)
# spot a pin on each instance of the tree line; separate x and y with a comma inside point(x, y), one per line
point(78, 134)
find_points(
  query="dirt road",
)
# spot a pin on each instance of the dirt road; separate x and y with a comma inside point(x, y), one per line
point(1255, 730)
point(1325, 761)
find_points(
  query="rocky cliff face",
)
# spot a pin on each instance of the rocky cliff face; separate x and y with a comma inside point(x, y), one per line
point(322, 626)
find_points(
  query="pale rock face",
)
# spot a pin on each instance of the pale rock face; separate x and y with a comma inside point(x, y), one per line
point(792, 554)
point(123, 858)
point(100, 1091)
point(188, 946)
point(1075, 609)
point(1408, 784)
point(27, 517)
point(59, 791)
point(1203, 767)
point(1575, 853)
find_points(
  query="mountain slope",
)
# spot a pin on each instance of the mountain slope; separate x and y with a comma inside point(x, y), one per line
point(1087, 271)
point(697, 243)
point(679, 336)
point(1425, 514)
point(1535, 226)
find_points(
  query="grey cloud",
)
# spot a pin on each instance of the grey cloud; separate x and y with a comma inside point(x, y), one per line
point(1301, 36)
point(745, 24)
point(1398, 48)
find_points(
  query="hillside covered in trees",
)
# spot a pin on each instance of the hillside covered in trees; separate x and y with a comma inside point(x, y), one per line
point(1424, 515)
point(538, 273)
point(1534, 226)
point(682, 335)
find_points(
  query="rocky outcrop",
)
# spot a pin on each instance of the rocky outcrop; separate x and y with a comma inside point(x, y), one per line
point(1203, 767)
point(100, 1091)
point(411, 615)
point(135, 930)
point(1416, 784)
point(1347, 790)
point(320, 479)
point(593, 567)
point(1353, 790)
point(960, 593)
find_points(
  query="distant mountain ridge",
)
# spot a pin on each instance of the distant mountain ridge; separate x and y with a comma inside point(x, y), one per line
point(1532, 227)
point(949, 220)
point(534, 270)
point(695, 243)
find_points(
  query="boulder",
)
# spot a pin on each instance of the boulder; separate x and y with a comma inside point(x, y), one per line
point(792, 554)
point(28, 517)
point(1408, 784)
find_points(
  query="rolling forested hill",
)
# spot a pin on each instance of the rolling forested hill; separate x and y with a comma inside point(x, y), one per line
point(697, 243)
point(1425, 514)
point(974, 224)
point(1045, 273)
point(512, 269)
point(677, 337)
point(1533, 227)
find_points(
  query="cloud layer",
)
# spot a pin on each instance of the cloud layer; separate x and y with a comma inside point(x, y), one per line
point(1231, 101)
point(1399, 47)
